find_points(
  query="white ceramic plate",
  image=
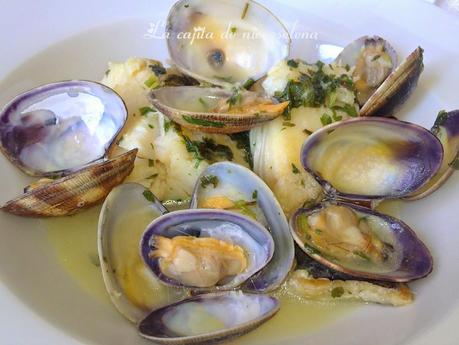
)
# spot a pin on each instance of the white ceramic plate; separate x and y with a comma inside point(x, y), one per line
point(48, 40)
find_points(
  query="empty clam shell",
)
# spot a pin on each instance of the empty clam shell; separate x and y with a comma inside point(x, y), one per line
point(446, 128)
point(372, 158)
point(74, 192)
point(134, 291)
point(235, 188)
point(230, 228)
point(208, 319)
point(361, 242)
point(60, 127)
point(215, 110)
point(225, 42)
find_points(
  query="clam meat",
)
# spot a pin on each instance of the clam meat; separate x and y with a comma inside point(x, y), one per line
point(206, 250)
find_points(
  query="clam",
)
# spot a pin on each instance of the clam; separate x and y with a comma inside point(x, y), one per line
point(234, 188)
point(215, 110)
point(209, 318)
point(225, 42)
point(381, 86)
point(75, 192)
point(206, 250)
point(397, 87)
point(373, 58)
point(134, 291)
point(446, 128)
point(57, 128)
point(360, 242)
point(64, 129)
point(366, 159)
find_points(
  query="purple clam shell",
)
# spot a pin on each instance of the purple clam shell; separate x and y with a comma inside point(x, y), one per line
point(60, 127)
point(154, 326)
point(187, 222)
point(419, 158)
point(416, 261)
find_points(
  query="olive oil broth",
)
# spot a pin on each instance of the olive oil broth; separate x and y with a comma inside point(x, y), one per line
point(74, 240)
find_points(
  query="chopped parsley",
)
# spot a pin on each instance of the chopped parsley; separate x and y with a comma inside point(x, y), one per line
point(186, 5)
point(207, 150)
point(145, 110)
point(148, 194)
point(295, 169)
point(151, 163)
point(107, 72)
point(326, 119)
point(348, 109)
point(152, 176)
point(337, 292)
point(288, 124)
point(233, 29)
point(242, 140)
point(167, 125)
point(376, 57)
point(151, 126)
point(235, 98)
point(248, 83)
point(312, 89)
point(307, 131)
point(209, 180)
point(255, 195)
point(202, 122)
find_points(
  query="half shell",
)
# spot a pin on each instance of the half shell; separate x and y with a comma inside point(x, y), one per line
point(57, 128)
point(208, 319)
point(215, 110)
point(225, 42)
point(75, 192)
point(392, 251)
point(133, 289)
point(372, 158)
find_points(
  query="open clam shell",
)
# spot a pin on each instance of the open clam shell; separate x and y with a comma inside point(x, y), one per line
point(212, 109)
point(396, 88)
point(134, 291)
point(229, 227)
point(249, 195)
point(209, 318)
point(225, 42)
point(74, 192)
point(372, 158)
point(446, 128)
point(57, 128)
point(399, 255)
point(374, 59)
